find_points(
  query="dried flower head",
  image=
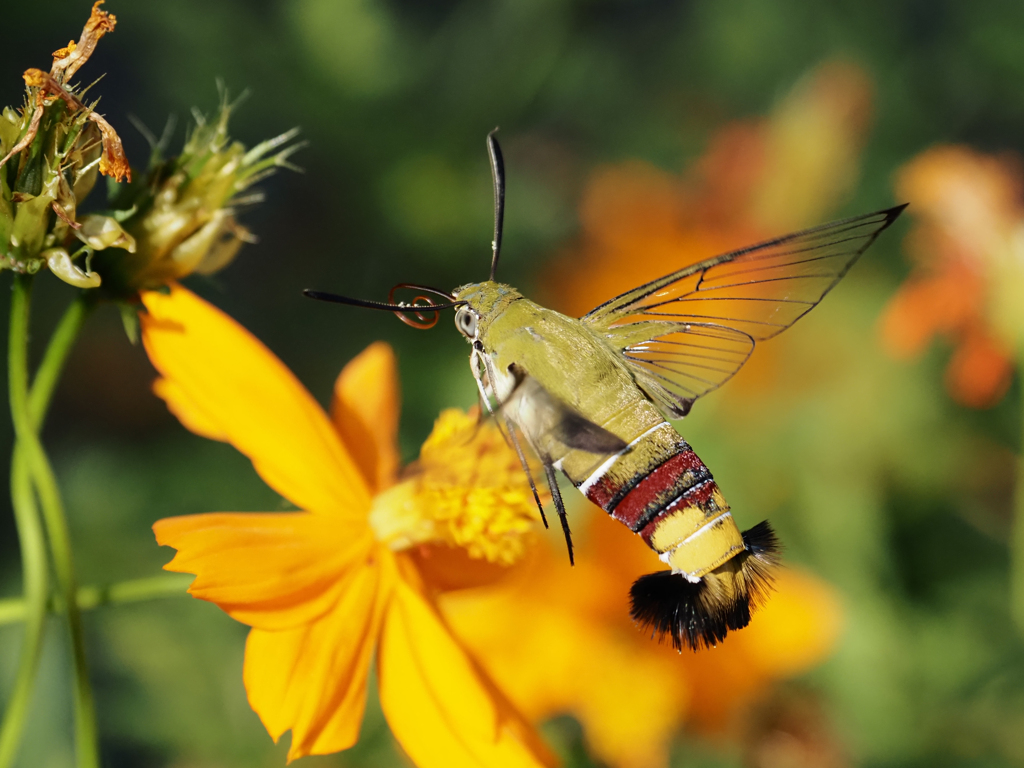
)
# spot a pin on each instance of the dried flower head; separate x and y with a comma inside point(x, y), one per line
point(179, 219)
point(52, 149)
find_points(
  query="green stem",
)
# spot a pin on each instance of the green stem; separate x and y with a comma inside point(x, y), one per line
point(87, 747)
point(32, 609)
point(36, 577)
point(14, 610)
point(50, 369)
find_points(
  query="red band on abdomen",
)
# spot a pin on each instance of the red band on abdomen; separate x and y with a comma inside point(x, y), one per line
point(603, 493)
point(652, 492)
point(697, 496)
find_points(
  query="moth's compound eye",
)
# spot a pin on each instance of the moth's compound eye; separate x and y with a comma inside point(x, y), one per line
point(465, 320)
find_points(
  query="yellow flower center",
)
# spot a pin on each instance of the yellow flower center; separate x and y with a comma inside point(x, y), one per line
point(467, 489)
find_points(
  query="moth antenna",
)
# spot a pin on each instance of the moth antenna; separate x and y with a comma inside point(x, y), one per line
point(498, 175)
point(425, 311)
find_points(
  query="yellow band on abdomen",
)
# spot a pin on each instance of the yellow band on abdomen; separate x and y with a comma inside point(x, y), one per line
point(707, 548)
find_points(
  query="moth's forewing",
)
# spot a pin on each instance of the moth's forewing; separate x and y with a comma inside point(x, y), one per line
point(687, 333)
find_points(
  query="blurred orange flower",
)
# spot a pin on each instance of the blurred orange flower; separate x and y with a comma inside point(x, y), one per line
point(758, 179)
point(572, 650)
point(326, 588)
point(968, 251)
point(560, 641)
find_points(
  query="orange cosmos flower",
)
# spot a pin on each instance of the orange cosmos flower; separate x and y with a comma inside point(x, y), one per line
point(571, 648)
point(326, 588)
point(968, 276)
point(758, 179)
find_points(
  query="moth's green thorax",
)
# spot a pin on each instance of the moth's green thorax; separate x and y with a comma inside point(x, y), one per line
point(561, 361)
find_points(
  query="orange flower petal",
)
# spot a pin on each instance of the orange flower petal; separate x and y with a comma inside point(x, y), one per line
point(980, 370)
point(551, 658)
point(273, 571)
point(942, 302)
point(969, 198)
point(312, 679)
point(442, 709)
point(632, 710)
point(447, 568)
point(730, 170)
point(543, 647)
point(797, 628)
point(911, 318)
point(191, 415)
point(224, 379)
point(365, 412)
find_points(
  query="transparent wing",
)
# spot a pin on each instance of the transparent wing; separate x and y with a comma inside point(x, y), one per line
point(685, 361)
point(687, 333)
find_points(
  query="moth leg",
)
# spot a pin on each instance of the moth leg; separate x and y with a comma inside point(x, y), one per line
point(526, 467)
point(476, 357)
point(556, 496)
point(475, 360)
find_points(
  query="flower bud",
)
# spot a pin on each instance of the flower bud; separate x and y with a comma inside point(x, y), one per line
point(184, 218)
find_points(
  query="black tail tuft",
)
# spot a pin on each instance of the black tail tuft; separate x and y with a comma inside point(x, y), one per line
point(700, 614)
point(761, 557)
point(762, 542)
point(679, 609)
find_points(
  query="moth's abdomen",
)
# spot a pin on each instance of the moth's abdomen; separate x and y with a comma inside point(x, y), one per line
point(660, 489)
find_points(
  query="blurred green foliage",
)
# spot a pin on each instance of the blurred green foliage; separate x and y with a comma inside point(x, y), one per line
point(875, 479)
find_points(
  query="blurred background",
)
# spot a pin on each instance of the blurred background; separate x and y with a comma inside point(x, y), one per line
point(879, 435)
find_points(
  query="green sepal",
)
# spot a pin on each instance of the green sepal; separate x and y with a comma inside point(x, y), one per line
point(130, 321)
point(6, 215)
